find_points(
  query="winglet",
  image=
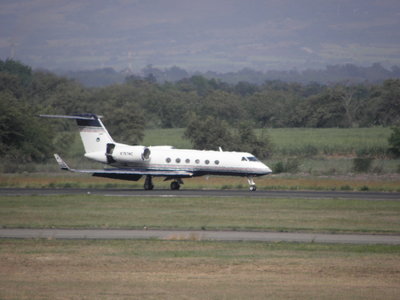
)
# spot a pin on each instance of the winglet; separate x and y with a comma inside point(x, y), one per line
point(63, 165)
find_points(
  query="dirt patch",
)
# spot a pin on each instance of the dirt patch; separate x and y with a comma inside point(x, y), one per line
point(190, 270)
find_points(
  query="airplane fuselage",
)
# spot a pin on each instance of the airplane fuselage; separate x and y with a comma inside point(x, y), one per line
point(197, 162)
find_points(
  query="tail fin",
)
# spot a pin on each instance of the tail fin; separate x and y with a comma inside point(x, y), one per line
point(94, 135)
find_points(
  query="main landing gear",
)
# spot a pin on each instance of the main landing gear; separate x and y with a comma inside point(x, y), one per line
point(253, 187)
point(148, 183)
point(176, 184)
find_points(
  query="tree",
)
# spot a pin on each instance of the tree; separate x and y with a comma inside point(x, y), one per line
point(209, 133)
point(22, 137)
point(387, 104)
point(323, 111)
point(126, 123)
point(212, 133)
point(222, 105)
point(247, 141)
point(349, 95)
point(394, 141)
point(23, 72)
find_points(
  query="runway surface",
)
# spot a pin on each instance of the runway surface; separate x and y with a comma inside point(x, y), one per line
point(107, 234)
point(204, 193)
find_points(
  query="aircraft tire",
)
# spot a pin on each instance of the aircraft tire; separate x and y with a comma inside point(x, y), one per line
point(148, 187)
point(175, 185)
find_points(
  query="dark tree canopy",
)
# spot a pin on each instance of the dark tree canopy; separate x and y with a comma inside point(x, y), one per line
point(213, 111)
point(394, 141)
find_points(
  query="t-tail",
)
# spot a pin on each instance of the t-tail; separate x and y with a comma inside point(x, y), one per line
point(95, 137)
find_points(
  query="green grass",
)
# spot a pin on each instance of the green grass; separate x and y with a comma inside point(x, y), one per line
point(330, 141)
point(169, 136)
point(309, 215)
point(299, 141)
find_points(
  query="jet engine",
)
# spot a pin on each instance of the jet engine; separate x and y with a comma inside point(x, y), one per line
point(122, 153)
point(119, 153)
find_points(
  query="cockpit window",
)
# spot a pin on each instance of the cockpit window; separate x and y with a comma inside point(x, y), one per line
point(244, 158)
point(252, 158)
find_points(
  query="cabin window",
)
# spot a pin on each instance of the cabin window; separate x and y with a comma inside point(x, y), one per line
point(168, 160)
point(207, 161)
point(197, 161)
point(178, 160)
point(187, 160)
point(244, 158)
point(252, 158)
point(216, 162)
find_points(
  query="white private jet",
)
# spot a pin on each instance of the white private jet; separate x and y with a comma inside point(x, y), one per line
point(133, 162)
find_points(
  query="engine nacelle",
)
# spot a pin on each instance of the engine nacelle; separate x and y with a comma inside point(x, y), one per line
point(128, 154)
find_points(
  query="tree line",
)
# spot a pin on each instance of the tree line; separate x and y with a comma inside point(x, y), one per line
point(332, 74)
point(142, 102)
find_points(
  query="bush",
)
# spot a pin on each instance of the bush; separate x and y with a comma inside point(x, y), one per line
point(278, 168)
point(362, 164)
point(394, 142)
point(291, 165)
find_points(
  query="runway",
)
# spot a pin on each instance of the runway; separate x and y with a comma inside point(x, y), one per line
point(247, 236)
point(203, 193)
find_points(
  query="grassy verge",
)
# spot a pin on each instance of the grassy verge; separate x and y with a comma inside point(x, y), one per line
point(359, 182)
point(308, 215)
point(41, 269)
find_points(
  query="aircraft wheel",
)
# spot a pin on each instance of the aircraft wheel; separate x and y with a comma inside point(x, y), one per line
point(148, 187)
point(175, 185)
point(253, 188)
point(148, 183)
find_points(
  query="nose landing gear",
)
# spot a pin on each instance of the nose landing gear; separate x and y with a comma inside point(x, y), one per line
point(252, 184)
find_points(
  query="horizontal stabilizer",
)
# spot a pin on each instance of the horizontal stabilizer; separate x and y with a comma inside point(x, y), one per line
point(63, 165)
point(76, 117)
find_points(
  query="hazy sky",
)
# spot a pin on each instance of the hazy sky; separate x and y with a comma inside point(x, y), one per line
point(219, 35)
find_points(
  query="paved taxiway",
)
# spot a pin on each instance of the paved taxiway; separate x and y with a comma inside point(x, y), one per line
point(204, 193)
point(111, 234)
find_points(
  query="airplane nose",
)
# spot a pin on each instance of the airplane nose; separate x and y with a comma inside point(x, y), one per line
point(265, 170)
point(268, 170)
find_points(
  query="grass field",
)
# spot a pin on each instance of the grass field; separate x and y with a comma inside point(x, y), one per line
point(308, 215)
point(51, 269)
point(195, 269)
point(299, 141)
point(330, 141)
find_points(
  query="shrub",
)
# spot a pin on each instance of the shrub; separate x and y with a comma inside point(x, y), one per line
point(345, 188)
point(394, 141)
point(278, 167)
point(362, 164)
point(291, 165)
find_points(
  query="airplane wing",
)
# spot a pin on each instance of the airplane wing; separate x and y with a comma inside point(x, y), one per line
point(125, 174)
